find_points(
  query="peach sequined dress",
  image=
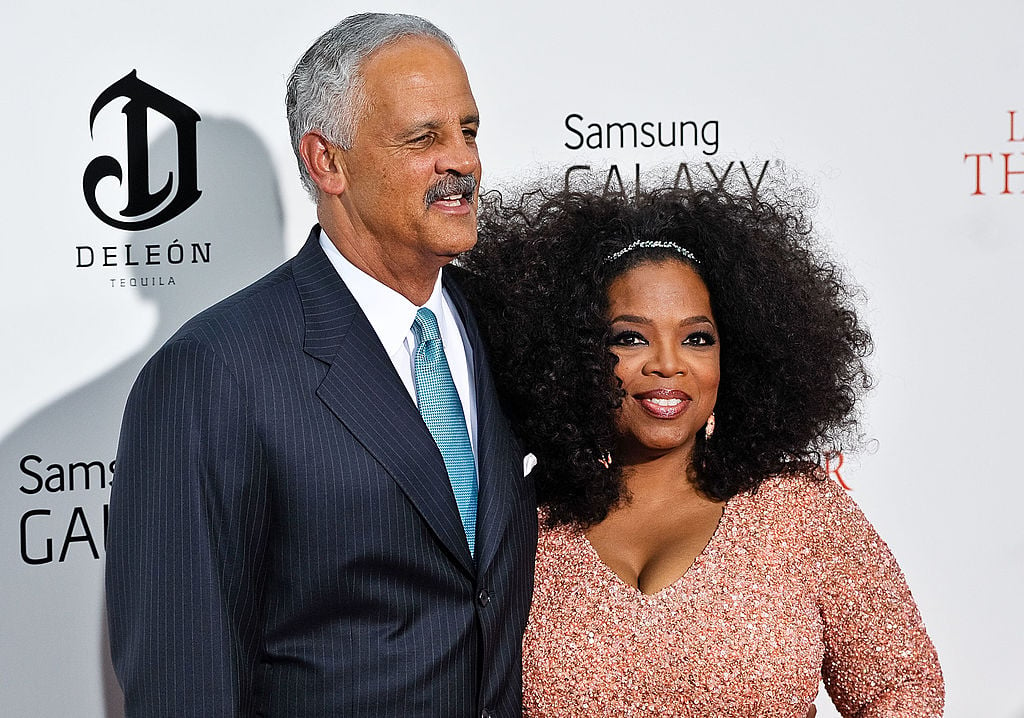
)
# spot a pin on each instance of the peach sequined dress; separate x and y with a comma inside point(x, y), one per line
point(794, 586)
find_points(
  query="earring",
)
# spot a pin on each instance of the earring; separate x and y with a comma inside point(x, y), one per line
point(709, 428)
point(606, 460)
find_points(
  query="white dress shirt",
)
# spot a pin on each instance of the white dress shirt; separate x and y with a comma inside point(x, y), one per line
point(391, 315)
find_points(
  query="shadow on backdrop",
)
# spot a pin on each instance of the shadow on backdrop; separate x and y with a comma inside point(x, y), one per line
point(239, 214)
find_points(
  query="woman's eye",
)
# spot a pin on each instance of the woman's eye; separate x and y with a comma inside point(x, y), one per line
point(627, 339)
point(700, 339)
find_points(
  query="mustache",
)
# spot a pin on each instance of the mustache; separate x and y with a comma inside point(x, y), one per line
point(451, 184)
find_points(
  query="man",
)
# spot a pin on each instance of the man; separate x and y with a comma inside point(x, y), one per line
point(320, 509)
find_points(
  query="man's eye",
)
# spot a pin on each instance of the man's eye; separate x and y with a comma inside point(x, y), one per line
point(700, 339)
point(422, 140)
point(627, 339)
point(469, 134)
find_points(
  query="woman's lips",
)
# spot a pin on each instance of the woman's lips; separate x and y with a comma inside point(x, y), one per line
point(664, 403)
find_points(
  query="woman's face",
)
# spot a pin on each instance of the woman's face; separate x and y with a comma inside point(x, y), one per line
point(666, 340)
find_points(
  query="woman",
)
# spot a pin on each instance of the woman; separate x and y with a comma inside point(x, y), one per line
point(679, 365)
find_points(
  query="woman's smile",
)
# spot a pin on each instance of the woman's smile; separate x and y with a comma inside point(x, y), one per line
point(664, 403)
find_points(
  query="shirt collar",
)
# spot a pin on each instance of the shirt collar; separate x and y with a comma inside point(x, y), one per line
point(390, 314)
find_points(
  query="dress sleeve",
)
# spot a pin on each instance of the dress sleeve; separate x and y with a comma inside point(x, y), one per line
point(879, 661)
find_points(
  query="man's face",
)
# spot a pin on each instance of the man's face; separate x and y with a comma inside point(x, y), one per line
point(407, 189)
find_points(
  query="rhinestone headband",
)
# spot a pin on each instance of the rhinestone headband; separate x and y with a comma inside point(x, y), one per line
point(651, 244)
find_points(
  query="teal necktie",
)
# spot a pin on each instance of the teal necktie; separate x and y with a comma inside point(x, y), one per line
point(442, 412)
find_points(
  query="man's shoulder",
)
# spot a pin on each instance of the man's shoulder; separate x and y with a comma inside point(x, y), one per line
point(459, 283)
point(459, 279)
point(268, 306)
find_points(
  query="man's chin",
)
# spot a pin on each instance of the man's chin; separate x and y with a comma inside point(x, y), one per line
point(453, 234)
point(461, 247)
point(452, 246)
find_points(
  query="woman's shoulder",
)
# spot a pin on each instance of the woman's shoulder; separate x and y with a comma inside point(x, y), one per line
point(549, 534)
point(563, 557)
point(808, 490)
point(814, 502)
point(818, 510)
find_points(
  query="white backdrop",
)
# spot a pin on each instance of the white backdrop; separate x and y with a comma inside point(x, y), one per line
point(897, 115)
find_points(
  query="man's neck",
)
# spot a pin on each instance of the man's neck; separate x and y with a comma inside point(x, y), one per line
point(412, 278)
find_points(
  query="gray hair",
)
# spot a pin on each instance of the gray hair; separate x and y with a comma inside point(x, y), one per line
point(325, 88)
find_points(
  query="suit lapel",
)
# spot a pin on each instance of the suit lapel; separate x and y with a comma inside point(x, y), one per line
point(364, 392)
point(499, 457)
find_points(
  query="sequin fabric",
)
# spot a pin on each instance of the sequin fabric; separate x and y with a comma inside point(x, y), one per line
point(794, 586)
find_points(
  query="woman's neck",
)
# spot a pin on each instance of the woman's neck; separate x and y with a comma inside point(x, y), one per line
point(661, 478)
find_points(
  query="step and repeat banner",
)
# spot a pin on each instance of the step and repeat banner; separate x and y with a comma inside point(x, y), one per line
point(148, 174)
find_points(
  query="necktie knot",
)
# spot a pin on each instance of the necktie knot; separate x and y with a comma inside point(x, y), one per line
point(425, 326)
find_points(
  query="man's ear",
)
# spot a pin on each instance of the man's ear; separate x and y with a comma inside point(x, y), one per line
point(323, 162)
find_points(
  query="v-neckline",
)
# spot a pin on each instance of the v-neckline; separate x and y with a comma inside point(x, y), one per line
point(700, 558)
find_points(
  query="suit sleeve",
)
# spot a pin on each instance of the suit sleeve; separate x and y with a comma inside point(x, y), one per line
point(187, 531)
point(879, 661)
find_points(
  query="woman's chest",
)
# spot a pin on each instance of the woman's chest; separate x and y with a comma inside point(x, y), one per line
point(739, 634)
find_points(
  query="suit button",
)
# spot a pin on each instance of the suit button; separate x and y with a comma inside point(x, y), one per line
point(483, 598)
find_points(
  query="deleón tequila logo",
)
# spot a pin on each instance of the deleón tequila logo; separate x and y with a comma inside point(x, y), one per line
point(145, 208)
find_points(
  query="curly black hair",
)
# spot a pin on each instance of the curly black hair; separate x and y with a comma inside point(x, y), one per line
point(792, 348)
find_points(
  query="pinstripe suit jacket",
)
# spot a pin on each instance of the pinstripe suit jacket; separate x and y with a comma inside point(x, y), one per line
point(283, 538)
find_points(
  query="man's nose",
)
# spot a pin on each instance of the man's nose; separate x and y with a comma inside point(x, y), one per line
point(459, 157)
